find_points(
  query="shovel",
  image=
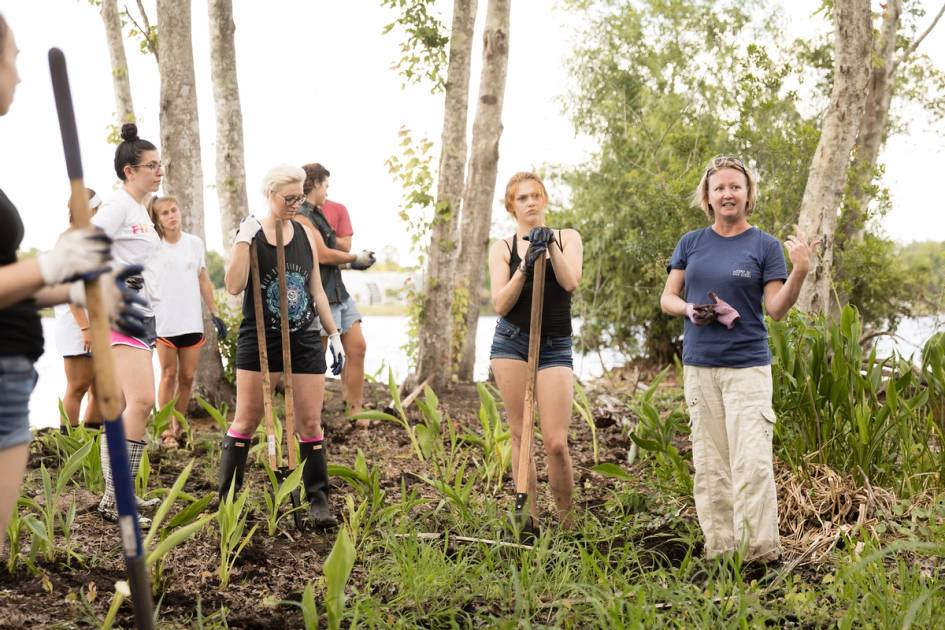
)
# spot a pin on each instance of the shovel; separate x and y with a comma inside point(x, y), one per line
point(524, 523)
point(106, 386)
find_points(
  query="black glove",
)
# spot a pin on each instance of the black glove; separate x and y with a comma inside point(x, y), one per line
point(220, 325)
point(535, 251)
point(134, 282)
point(541, 236)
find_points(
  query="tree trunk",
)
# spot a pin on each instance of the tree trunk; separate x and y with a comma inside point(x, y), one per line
point(231, 173)
point(480, 182)
point(180, 153)
point(436, 320)
point(853, 36)
point(116, 53)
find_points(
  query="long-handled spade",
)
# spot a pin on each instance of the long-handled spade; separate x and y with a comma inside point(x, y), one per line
point(290, 439)
point(523, 519)
point(106, 388)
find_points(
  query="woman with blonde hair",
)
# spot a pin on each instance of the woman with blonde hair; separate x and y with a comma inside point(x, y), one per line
point(307, 303)
point(181, 280)
point(511, 261)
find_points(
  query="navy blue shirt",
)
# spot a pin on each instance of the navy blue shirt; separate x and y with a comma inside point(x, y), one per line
point(736, 268)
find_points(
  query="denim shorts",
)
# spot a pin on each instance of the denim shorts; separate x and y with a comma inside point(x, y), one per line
point(345, 314)
point(17, 380)
point(511, 342)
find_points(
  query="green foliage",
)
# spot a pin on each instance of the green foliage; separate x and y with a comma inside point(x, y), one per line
point(399, 419)
point(231, 523)
point(216, 270)
point(232, 317)
point(424, 49)
point(279, 492)
point(337, 571)
point(495, 441)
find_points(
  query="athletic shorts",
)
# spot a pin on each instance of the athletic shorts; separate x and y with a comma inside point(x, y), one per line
point(345, 314)
point(308, 357)
point(17, 380)
point(511, 342)
point(144, 343)
point(183, 342)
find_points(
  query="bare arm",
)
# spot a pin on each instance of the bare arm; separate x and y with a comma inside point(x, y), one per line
point(237, 270)
point(19, 281)
point(568, 264)
point(80, 316)
point(206, 290)
point(781, 296)
point(344, 243)
point(323, 308)
point(326, 255)
point(672, 301)
point(505, 289)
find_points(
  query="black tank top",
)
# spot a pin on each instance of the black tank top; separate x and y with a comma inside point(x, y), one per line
point(21, 332)
point(298, 272)
point(556, 311)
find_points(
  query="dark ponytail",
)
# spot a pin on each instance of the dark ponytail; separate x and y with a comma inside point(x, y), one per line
point(129, 151)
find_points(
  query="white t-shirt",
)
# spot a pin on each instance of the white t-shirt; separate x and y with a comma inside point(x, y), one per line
point(134, 239)
point(175, 267)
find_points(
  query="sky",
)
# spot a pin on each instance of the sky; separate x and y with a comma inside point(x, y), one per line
point(316, 84)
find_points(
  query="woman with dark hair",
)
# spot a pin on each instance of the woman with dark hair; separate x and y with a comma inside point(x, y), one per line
point(180, 271)
point(720, 277)
point(307, 303)
point(74, 343)
point(25, 286)
point(124, 218)
point(511, 261)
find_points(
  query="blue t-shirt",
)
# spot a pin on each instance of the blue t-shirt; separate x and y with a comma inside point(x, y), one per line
point(736, 268)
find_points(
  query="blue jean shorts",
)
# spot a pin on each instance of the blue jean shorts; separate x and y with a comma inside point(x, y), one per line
point(17, 380)
point(511, 342)
point(345, 314)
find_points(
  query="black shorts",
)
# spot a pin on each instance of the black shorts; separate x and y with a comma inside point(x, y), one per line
point(182, 342)
point(308, 356)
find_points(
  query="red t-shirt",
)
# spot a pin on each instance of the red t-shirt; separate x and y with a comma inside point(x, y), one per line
point(338, 218)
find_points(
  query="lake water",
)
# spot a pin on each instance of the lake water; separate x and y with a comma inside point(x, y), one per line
point(384, 334)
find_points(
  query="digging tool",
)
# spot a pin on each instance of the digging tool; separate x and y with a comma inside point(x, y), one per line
point(290, 440)
point(263, 356)
point(524, 522)
point(107, 392)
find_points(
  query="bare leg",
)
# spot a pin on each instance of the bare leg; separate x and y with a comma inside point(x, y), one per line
point(78, 381)
point(555, 390)
point(12, 467)
point(309, 392)
point(92, 413)
point(167, 390)
point(136, 377)
point(185, 378)
point(249, 401)
point(511, 375)
point(352, 376)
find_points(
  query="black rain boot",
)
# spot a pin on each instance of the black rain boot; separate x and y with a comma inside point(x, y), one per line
point(315, 480)
point(233, 453)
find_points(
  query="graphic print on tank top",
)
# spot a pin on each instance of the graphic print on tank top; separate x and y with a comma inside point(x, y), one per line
point(301, 313)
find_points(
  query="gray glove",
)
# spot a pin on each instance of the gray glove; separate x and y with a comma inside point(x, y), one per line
point(364, 260)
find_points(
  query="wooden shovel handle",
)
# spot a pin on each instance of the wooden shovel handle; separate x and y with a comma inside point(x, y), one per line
point(534, 347)
point(286, 349)
point(263, 354)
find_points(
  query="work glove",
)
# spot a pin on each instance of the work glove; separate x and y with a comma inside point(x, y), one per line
point(364, 260)
point(541, 236)
point(533, 253)
point(78, 251)
point(725, 313)
point(701, 314)
point(337, 353)
point(220, 325)
point(135, 282)
point(248, 229)
point(124, 306)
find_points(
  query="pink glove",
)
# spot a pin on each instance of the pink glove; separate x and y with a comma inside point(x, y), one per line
point(724, 313)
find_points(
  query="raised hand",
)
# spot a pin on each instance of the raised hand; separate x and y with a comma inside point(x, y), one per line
point(800, 251)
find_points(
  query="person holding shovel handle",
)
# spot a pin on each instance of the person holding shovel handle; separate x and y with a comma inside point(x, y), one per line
point(307, 303)
point(27, 285)
point(719, 278)
point(511, 263)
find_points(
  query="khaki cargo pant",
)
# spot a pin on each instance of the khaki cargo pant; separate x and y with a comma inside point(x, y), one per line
point(732, 424)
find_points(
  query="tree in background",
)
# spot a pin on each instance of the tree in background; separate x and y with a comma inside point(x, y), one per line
point(116, 54)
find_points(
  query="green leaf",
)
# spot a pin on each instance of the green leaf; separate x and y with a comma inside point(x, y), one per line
point(337, 571)
point(611, 470)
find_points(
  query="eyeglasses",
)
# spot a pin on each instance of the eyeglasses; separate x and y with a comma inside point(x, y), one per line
point(291, 200)
point(725, 161)
point(154, 167)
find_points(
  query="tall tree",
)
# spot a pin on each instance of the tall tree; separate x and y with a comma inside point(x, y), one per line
point(180, 152)
point(480, 181)
point(231, 172)
point(436, 320)
point(853, 38)
point(116, 53)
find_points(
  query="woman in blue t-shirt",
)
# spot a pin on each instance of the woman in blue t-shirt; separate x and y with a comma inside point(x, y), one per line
point(719, 278)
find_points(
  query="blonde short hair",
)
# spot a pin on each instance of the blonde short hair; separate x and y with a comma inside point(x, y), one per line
point(700, 199)
point(280, 175)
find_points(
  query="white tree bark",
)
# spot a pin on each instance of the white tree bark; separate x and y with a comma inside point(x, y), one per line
point(116, 53)
point(480, 182)
point(231, 172)
point(436, 329)
point(853, 37)
point(180, 153)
